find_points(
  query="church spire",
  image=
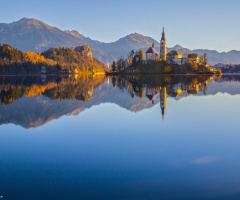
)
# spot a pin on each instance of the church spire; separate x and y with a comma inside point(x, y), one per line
point(163, 100)
point(163, 112)
point(163, 46)
point(163, 35)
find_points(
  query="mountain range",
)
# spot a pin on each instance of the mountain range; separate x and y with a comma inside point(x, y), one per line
point(29, 34)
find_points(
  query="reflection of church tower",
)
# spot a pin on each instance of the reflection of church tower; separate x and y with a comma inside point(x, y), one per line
point(163, 100)
point(163, 47)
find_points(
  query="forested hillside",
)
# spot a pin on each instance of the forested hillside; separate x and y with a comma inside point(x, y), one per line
point(74, 59)
point(56, 60)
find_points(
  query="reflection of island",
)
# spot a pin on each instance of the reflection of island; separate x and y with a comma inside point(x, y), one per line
point(152, 94)
point(163, 86)
point(60, 88)
point(34, 101)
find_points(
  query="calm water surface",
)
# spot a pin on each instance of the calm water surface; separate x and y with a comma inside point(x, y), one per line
point(162, 137)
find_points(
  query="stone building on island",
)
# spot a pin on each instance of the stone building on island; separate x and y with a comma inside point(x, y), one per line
point(193, 58)
point(151, 53)
point(172, 57)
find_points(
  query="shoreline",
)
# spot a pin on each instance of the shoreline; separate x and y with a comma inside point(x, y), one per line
point(188, 74)
point(52, 74)
point(118, 74)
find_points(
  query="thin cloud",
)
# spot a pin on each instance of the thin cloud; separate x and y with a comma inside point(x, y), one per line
point(205, 160)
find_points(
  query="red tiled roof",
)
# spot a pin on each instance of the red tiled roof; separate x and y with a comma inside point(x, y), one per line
point(149, 97)
point(152, 50)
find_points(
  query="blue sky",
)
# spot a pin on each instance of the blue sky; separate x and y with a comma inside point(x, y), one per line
point(210, 24)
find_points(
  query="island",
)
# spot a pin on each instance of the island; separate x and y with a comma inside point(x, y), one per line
point(164, 62)
point(79, 60)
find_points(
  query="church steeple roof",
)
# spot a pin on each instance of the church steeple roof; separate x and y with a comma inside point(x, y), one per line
point(163, 112)
point(163, 35)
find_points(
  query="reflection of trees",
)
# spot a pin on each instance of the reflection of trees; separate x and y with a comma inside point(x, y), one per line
point(176, 85)
point(80, 88)
point(153, 85)
point(229, 78)
point(114, 81)
point(15, 87)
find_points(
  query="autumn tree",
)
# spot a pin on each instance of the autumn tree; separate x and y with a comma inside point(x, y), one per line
point(130, 58)
point(201, 59)
point(67, 59)
point(167, 69)
point(141, 54)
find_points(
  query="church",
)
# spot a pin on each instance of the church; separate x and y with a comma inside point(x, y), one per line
point(152, 54)
point(172, 57)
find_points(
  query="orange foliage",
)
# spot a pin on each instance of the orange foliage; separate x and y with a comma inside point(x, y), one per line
point(37, 58)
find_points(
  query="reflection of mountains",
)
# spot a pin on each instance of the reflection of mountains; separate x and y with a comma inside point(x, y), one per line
point(34, 101)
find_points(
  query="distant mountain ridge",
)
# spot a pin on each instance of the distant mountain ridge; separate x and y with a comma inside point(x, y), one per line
point(29, 34)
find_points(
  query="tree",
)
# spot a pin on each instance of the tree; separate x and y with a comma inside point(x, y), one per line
point(167, 69)
point(141, 54)
point(201, 59)
point(114, 81)
point(130, 58)
point(195, 67)
point(120, 64)
point(59, 68)
point(131, 53)
point(205, 59)
point(113, 66)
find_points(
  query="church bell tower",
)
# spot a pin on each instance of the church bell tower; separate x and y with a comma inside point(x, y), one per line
point(163, 47)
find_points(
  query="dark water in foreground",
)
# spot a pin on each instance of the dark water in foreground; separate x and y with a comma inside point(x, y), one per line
point(112, 138)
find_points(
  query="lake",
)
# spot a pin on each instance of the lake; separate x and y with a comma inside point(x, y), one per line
point(134, 137)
